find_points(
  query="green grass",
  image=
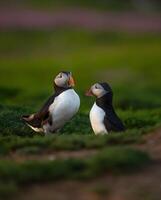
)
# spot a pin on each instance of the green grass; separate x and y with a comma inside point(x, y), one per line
point(16, 136)
point(38, 145)
point(112, 160)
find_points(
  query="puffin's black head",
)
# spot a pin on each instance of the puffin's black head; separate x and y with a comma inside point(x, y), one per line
point(64, 80)
point(99, 90)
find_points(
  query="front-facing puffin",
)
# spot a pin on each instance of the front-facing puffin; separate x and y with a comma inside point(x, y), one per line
point(58, 109)
point(102, 115)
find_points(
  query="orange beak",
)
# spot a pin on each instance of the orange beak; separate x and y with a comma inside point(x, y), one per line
point(71, 81)
point(89, 93)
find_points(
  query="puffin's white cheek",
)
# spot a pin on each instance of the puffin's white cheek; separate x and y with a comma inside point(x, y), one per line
point(56, 81)
point(60, 82)
point(96, 92)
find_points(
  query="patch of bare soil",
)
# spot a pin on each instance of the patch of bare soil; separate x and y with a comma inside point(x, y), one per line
point(21, 157)
point(144, 185)
point(153, 144)
point(140, 186)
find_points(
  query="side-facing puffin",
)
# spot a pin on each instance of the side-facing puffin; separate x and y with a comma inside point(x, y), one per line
point(58, 109)
point(102, 115)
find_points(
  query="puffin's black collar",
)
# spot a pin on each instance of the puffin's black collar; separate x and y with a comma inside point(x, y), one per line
point(105, 101)
point(59, 90)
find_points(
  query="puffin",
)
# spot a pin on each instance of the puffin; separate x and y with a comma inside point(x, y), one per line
point(58, 109)
point(103, 117)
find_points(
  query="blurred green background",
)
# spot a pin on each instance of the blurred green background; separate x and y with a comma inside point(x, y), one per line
point(130, 63)
point(30, 58)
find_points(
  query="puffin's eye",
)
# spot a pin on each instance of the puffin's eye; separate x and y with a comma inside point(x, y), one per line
point(60, 76)
point(96, 87)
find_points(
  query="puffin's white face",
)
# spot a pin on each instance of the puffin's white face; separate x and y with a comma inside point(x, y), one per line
point(97, 90)
point(64, 80)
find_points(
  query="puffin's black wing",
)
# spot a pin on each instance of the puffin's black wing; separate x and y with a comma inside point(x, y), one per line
point(43, 116)
point(112, 121)
point(38, 119)
point(45, 108)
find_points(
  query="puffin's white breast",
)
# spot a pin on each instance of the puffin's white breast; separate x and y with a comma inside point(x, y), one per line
point(97, 115)
point(64, 107)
